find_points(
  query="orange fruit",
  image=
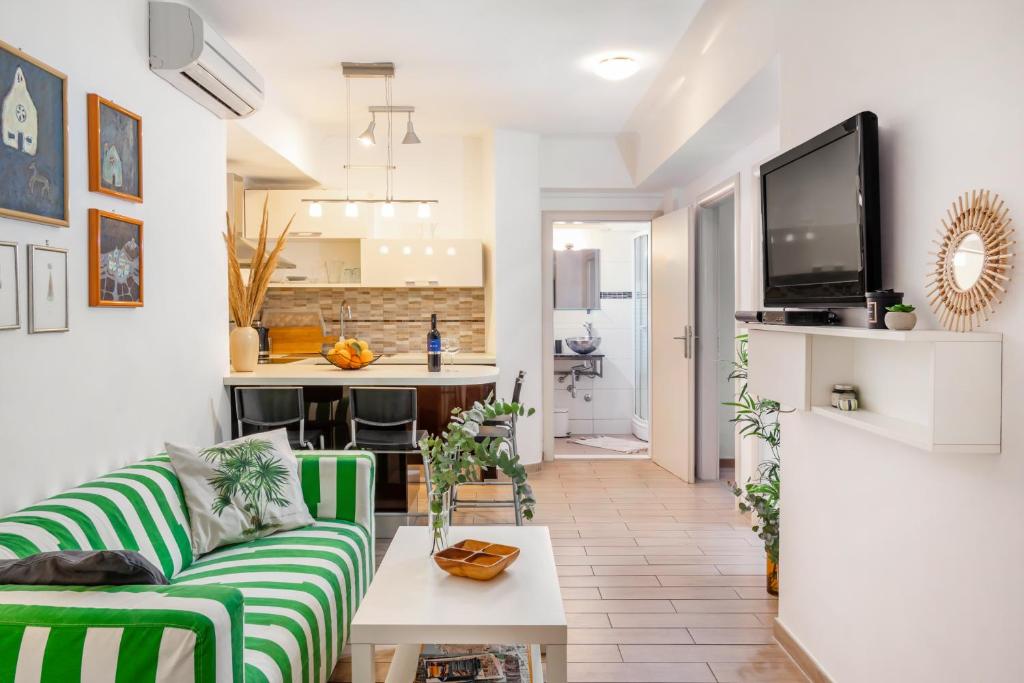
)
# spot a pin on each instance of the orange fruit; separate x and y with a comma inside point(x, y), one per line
point(366, 356)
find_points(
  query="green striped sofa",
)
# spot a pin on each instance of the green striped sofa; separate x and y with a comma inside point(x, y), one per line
point(273, 609)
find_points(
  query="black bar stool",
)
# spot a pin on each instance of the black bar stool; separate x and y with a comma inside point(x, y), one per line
point(260, 409)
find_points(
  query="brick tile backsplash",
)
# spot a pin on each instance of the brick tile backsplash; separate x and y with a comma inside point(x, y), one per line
point(392, 320)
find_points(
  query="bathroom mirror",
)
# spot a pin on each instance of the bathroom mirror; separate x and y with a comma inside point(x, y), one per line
point(973, 263)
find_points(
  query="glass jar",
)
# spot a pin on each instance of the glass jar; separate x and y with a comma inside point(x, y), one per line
point(844, 397)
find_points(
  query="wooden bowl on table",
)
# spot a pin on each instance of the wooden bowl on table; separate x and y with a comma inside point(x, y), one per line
point(478, 560)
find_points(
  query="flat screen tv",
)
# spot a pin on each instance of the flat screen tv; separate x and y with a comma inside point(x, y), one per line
point(819, 209)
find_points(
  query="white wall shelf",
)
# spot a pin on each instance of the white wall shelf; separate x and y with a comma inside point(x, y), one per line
point(934, 390)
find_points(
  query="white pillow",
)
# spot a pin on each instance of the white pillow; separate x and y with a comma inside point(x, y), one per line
point(240, 490)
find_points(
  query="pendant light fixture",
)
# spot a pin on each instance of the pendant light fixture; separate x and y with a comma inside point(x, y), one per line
point(410, 134)
point(316, 210)
point(367, 137)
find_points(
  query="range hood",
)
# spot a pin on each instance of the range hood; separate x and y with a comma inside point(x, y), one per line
point(245, 250)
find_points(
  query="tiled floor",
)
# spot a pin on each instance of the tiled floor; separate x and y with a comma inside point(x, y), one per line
point(662, 581)
point(568, 447)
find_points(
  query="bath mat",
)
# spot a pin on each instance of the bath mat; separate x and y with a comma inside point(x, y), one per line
point(611, 443)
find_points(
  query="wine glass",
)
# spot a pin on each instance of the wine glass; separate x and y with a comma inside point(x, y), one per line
point(450, 345)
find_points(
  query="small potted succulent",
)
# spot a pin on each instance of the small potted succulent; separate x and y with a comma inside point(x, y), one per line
point(900, 317)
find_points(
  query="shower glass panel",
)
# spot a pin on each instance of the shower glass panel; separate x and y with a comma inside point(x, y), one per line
point(641, 325)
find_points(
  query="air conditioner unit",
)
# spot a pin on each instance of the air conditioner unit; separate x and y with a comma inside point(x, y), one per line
point(191, 56)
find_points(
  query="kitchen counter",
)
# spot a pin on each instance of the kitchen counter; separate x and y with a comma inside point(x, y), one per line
point(318, 372)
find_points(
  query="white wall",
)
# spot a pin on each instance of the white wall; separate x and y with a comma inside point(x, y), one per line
point(583, 162)
point(516, 309)
point(897, 565)
point(609, 409)
point(75, 405)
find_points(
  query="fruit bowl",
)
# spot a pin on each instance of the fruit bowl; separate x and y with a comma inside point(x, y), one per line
point(337, 361)
point(349, 354)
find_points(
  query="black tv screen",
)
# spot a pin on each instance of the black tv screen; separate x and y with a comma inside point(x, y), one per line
point(819, 204)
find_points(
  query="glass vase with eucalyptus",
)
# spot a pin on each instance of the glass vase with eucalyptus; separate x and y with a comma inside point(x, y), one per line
point(458, 454)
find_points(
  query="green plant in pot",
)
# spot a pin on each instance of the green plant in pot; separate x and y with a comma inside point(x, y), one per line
point(456, 457)
point(900, 317)
point(759, 418)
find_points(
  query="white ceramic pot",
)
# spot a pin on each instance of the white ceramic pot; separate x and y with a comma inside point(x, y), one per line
point(896, 320)
point(245, 349)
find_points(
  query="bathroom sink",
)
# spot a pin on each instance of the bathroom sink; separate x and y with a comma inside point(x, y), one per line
point(583, 345)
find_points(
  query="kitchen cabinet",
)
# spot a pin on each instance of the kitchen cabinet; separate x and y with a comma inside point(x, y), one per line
point(422, 263)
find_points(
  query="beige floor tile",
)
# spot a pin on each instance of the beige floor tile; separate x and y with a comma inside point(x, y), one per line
point(675, 636)
point(580, 593)
point(659, 570)
point(587, 620)
point(669, 593)
point(593, 653)
point(609, 606)
point(732, 636)
point(716, 580)
point(685, 620)
point(724, 606)
point(701, 653)
point(640, 673)
point(649, 581)
point(757, 672)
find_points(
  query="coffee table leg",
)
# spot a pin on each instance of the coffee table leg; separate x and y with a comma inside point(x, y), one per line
point(556, 664)
point(363, 664)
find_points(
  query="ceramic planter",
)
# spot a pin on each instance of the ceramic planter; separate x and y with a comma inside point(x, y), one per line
point(245, 349)
point(900, 321)
point(772, 576)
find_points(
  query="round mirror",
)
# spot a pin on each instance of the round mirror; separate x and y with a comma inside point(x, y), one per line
point(968, 261)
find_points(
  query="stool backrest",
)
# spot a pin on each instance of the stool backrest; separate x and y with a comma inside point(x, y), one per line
point(266, 408)
point(517, 390)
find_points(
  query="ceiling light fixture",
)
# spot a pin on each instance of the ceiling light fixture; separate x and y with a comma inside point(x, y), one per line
point(387, 210)
point(616, 68)
point(410, 134)
point(367, 138)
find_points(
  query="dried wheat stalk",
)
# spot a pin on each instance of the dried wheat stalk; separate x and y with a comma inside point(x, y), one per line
point(246, 299)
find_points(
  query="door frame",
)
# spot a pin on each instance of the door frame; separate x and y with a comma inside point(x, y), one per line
point(548, 220)
point(729, 186)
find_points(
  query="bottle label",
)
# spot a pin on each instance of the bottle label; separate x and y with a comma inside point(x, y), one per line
point(434, 346)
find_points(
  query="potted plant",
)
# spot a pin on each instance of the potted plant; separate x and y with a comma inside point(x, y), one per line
point(900, 317)
point(759, 418)
point(456, 456)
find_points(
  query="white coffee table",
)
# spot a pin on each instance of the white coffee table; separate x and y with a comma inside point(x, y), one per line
point(411, 601)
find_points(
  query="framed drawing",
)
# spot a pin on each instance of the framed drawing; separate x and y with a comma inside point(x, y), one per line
point(47, 289)
point(115, 150)
point(10, 318)
point(34, 133)
point(115, 259)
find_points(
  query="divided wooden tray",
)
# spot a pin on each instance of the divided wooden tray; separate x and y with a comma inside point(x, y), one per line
point(479, 560)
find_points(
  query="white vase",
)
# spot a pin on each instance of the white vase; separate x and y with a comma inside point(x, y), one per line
point(245, 349)
point(898, 320)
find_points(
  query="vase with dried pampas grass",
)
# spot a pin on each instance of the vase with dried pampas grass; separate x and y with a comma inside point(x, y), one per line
point(246, 298)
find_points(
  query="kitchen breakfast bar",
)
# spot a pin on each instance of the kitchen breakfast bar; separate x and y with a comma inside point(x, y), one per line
point(325, 395)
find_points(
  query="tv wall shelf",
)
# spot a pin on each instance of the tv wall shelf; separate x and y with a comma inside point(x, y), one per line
point(934, 390)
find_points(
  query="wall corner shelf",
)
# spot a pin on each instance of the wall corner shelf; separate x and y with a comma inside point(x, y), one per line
point(934, 390)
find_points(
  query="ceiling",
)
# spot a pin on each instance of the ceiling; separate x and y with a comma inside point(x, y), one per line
point(261, 166)
point(466, 65)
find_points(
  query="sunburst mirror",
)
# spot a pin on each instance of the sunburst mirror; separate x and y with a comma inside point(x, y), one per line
point(973, 263)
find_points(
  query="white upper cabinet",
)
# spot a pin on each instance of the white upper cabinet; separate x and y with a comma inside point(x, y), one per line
point(422, 263)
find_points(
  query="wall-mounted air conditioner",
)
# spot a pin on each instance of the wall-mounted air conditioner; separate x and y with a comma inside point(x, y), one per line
point(191, 56)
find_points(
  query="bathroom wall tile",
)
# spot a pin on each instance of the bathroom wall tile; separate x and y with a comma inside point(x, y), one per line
point(612, 427)
point(581, 427)
point(612, 404)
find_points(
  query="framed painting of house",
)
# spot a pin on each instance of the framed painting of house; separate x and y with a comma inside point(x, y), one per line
point(47, 289)
point(34, 137)
point(10, 318)
point(115, 260)
point(115, 149)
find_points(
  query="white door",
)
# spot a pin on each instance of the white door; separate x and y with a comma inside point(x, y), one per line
point(672, 344)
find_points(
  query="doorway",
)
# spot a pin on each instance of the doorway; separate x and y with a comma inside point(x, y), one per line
point(714, 335)
point(600, 276)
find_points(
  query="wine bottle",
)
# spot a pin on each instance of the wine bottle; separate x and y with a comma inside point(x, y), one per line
point(433, 346)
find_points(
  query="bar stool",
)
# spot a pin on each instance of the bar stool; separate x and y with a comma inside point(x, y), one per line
point(503, 427)
point(383, 420)
point(259, 409)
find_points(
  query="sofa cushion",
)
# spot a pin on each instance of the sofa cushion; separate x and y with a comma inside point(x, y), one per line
point(240, 490)
point(140, 507)
point(301, 589)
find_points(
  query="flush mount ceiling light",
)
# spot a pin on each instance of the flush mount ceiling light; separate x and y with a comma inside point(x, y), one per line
point(616, 68)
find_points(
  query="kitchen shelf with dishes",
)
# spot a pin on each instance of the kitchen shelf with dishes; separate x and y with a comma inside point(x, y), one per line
point(934, 390)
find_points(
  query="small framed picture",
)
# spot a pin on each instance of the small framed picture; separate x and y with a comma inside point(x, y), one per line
point(47, 289)
point(10, 318)
point(115, 259)
point(115, 149)
point(34, 136)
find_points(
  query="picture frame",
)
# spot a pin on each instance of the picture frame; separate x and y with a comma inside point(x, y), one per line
point(33, 139)
point(115, 149)
point(10, 295)
point(115, 260)
point(47, 289)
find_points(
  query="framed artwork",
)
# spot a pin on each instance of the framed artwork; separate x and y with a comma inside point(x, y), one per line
point(10, 318)
point(115, 259)
point(115, 149)
point(47, 289)
point(34, 136)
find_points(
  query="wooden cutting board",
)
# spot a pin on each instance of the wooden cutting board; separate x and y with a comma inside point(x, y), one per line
point(306, 339)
